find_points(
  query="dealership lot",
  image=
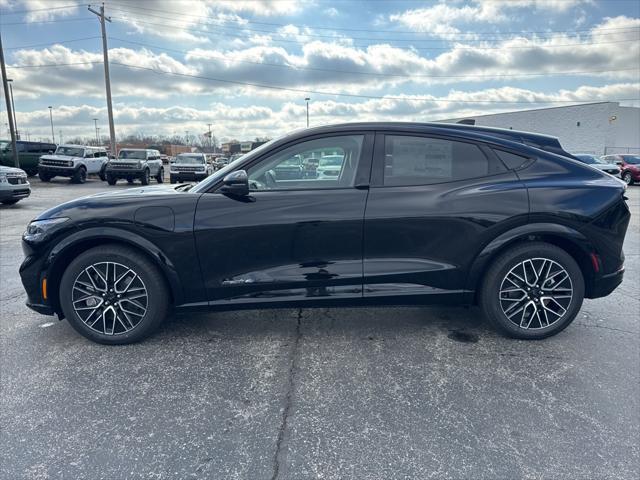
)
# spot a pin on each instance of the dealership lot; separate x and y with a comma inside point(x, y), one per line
point(339, 393)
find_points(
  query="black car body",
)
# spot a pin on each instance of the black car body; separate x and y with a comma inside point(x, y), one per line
point(422, 213)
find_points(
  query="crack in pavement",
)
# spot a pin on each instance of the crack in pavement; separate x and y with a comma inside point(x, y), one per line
point(278, 457)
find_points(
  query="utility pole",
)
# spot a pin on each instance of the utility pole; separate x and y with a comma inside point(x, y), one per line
point(307, 100)
point(13, 107)
point(107, 80)
point(95, 123)
point(53, 135)
point(210, 138)
point(5, 84)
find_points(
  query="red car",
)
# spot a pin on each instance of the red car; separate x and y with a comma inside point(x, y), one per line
point(629, 166)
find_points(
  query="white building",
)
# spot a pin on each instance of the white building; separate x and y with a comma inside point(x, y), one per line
point(598, 128)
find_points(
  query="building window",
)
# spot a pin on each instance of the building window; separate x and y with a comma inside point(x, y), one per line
point(577, 124)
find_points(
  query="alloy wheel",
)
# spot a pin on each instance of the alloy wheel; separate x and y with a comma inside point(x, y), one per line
point(536, 293)
point(110, 298)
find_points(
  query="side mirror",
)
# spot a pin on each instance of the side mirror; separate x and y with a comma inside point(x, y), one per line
point(236, 183)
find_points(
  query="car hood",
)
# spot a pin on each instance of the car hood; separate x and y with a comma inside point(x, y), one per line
point(4, 169)
point(104, 198)
point(176, 164)
point(59, 157)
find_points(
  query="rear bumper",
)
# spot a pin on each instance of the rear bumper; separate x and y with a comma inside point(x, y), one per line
point(606, 284)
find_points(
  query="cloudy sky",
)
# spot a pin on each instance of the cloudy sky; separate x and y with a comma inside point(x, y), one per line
point(246, 66)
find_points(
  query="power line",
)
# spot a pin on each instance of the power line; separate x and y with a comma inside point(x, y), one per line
point(393, 75)
point(46, 65)
point(18, 12)
point(414, 32)
point(340, 94)
point(52, 44)
point(314, 35)
point(38, 22)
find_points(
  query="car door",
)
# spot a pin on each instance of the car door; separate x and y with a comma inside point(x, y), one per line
point(289, 240)
point(433, 203)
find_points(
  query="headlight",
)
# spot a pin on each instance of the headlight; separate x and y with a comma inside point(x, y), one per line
point(70, 163)
point(139, 164)
point(3, 178)
point(38, 228)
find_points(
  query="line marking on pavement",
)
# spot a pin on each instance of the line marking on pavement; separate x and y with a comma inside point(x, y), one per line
point(48, 324)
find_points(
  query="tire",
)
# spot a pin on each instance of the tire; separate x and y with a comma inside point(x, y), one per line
point(130, 181)
point(44, 177)
point(111, 180)
point(502, 295)
point(627, 178)
point(147, 306)
point(31, 172)
point(102, 175)
point(12, 201)
point(80, 176)
point(145, 178)
point(160, 175)
point(172, 179)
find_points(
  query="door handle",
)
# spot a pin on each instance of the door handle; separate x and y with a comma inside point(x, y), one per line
point(361, 186)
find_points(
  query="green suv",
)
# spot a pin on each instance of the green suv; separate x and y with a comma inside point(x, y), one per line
point(29, 154)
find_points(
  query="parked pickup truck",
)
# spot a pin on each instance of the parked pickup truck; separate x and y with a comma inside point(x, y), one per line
point(73, 161)
point(189, 167)
point(135, 163)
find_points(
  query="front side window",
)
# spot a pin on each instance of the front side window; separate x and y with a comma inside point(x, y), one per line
point(423, 161)
point(300, 166)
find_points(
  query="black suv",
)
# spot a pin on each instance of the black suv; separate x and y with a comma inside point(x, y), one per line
point(418, 214)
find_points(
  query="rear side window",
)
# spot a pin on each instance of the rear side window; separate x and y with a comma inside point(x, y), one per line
point(511, 160)
point(423, 161)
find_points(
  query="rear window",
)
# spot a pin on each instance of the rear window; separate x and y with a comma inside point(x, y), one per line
point(423, 160)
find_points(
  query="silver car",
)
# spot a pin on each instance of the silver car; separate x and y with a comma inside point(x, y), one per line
point(14, 185)
point(597, 162)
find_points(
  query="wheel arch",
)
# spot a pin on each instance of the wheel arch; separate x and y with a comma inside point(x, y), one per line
point(570, 240)
point(60, 257)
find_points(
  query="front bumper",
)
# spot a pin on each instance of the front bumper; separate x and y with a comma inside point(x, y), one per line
point(57, 171)
point(125, 172)
point(189, 175)
point(12, 192)
point(31, 274)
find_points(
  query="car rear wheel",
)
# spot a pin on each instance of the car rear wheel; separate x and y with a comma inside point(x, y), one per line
point(80, 176)
point(627, 178)
point(145, 178)
point(160, 176)
point(113, 295)
point(532, 291)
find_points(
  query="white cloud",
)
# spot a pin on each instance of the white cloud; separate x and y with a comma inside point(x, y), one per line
point(256, 120)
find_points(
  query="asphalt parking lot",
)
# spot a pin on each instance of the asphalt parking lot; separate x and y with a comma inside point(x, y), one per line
point(329, 394)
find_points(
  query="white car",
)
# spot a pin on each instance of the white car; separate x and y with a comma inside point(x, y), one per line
point(329, 167)
point(14, 185)
point(189, 167)
point(597, 162)
point(73, 161)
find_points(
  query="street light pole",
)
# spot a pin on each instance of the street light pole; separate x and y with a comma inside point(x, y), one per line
point(210, 139)
point(53, 136)
point(12, 132)
point(95, 123)
point(307, 100)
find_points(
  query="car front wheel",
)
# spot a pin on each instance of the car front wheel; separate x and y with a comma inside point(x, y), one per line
point(80, 176)
point(145, 178)
point(44, 177)
point(111, 180)
point(532, 291)
point(113, 295)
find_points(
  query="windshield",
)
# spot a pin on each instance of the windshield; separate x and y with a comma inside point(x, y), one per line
point(195, 159)
point(633, 159)
point(590, 159)
point(132, 154)
point(70, 151)
point(230, 167)
point(331, 161)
